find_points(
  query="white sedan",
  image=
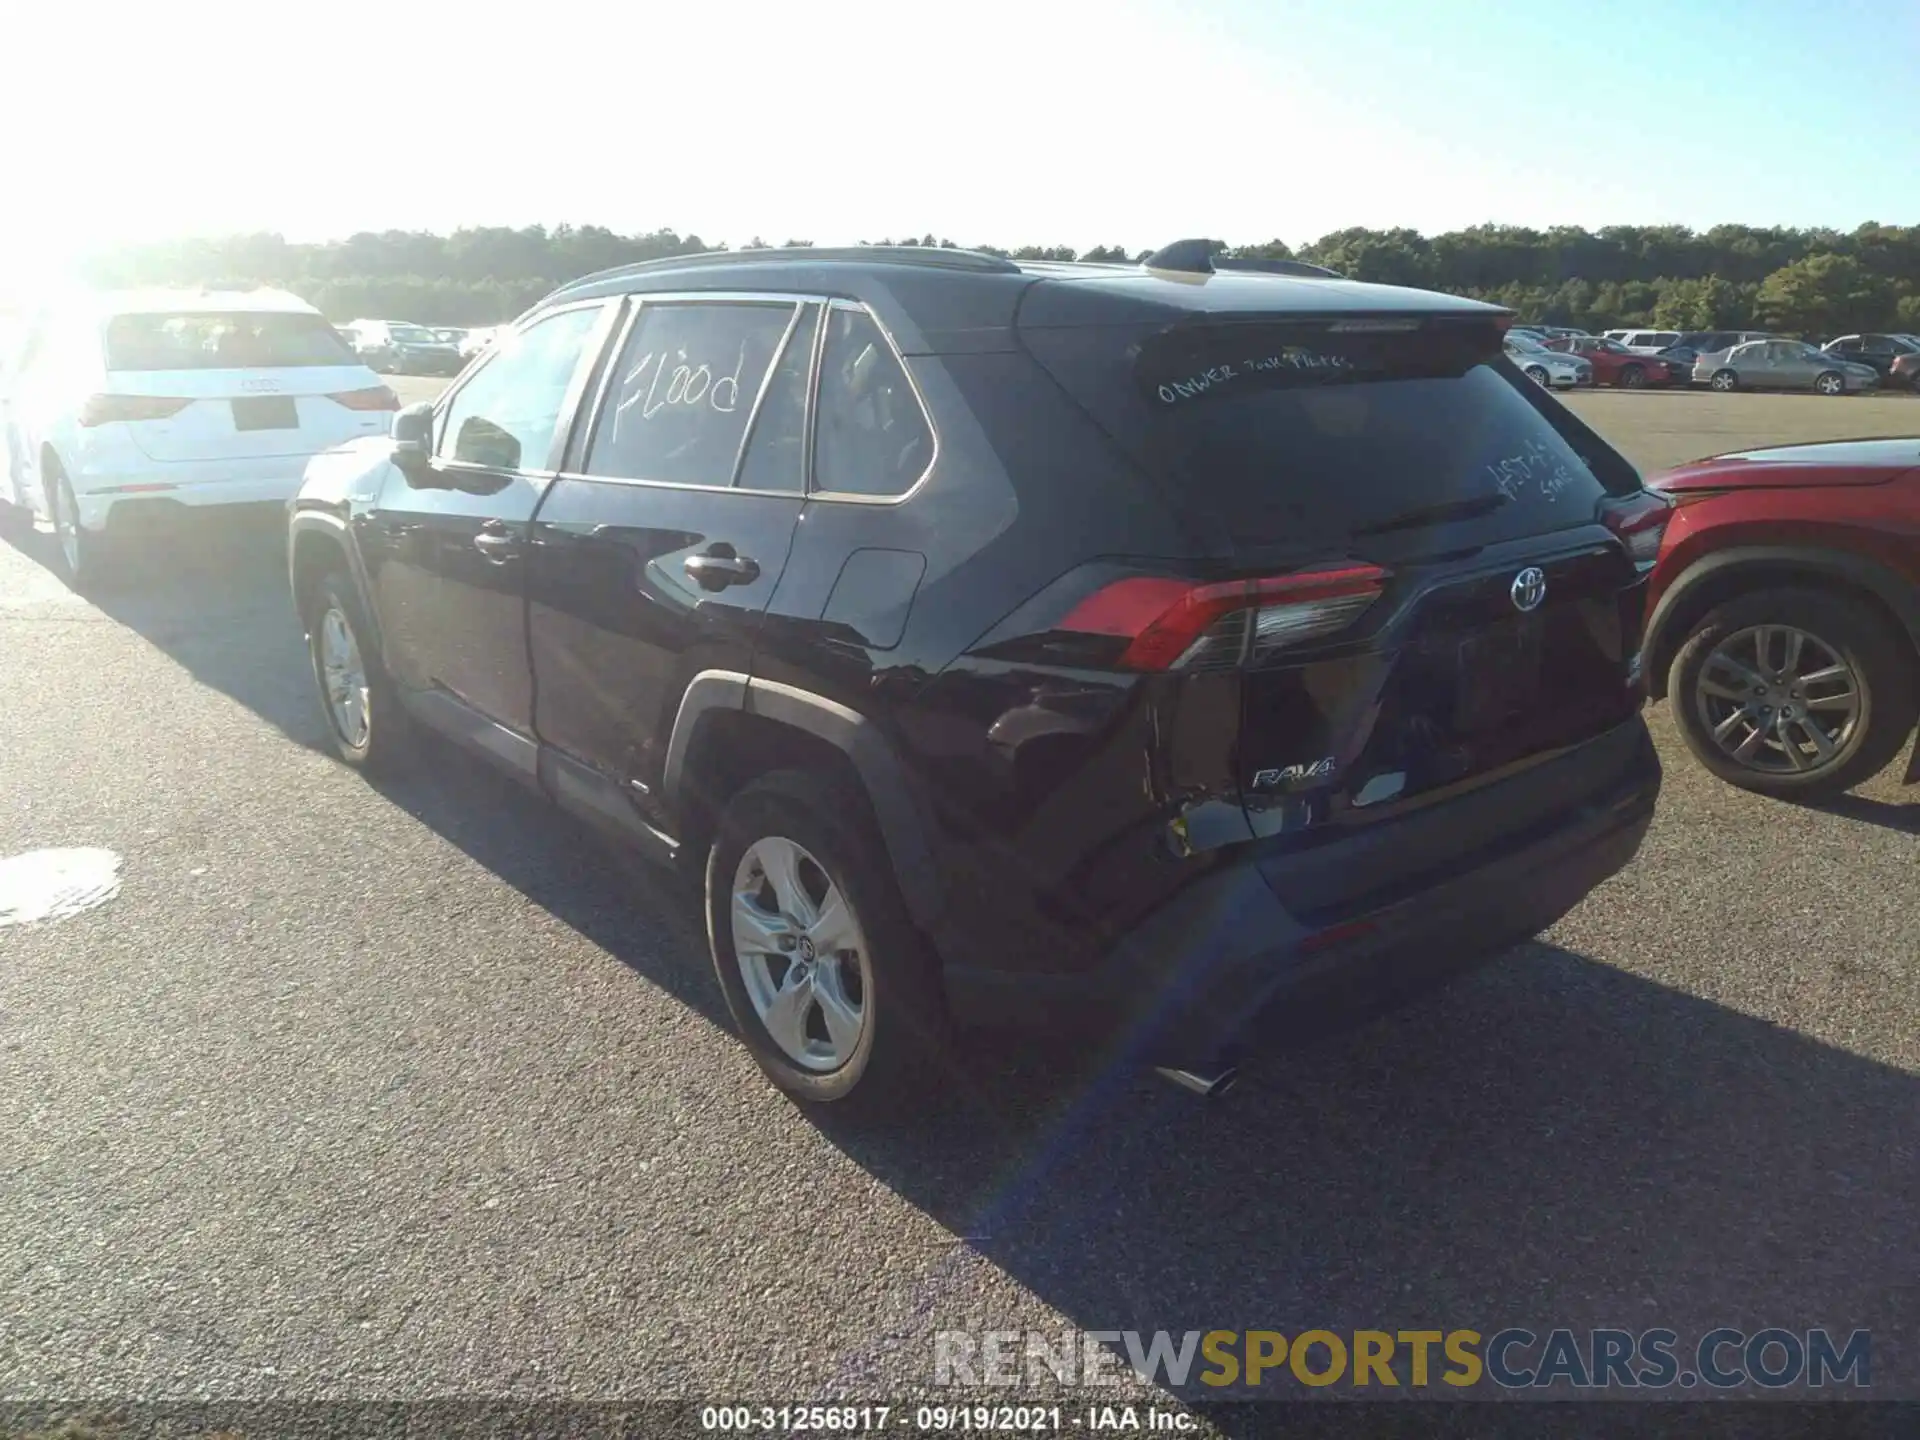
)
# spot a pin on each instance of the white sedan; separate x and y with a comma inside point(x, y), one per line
point(171, 399)
point(1552, 368)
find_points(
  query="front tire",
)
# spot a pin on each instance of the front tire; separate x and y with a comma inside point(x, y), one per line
point(1798, 694)
point(1538, 375)
point(1725, 381)
point(1633, 377)
point(365, 723)
point(833, 991)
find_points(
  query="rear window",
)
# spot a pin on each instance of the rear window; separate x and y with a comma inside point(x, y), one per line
point(1296, 432)
point(249, 340)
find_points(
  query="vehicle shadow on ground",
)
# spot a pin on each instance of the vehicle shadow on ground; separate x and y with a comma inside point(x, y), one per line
point(214, 598)
point(1550, 1142)
point(1887, 814)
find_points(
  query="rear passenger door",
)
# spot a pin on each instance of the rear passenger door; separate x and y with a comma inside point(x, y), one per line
point(655, 553)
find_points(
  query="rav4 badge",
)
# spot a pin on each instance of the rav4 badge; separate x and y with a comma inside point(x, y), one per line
point(1294, 774)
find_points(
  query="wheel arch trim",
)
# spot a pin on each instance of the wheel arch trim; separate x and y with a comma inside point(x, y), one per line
point(337, 533)
point(881, 773)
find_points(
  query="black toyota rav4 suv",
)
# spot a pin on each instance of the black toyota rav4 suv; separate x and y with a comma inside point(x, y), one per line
point(1151, 653)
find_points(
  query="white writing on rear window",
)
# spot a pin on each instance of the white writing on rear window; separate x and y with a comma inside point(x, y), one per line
point(1534, 466)
point(1294, 357)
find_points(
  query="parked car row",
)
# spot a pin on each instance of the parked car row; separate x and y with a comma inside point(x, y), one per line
point(988, 639)
point(394, 347)
point(1634, 358)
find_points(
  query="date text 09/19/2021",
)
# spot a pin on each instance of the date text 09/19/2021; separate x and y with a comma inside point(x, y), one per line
point(941, 1419)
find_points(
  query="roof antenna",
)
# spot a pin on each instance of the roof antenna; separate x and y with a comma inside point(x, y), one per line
point(1194, 257)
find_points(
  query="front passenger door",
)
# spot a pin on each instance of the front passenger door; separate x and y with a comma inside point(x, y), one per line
point(449, 563)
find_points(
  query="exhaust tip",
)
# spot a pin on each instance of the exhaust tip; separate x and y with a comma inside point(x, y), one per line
point(1208, 1084)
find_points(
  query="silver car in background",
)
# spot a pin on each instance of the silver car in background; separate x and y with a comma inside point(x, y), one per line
point(1782, 365)
point(1550, 368)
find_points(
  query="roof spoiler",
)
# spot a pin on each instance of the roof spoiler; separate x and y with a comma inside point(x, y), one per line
point(1198, 257)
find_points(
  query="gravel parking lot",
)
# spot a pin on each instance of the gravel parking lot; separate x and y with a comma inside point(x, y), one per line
point(420, 1090)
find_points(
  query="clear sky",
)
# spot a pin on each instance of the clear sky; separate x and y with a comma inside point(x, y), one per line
point(997, 121)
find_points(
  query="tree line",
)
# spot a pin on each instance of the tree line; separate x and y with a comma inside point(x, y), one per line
point(1814, 282)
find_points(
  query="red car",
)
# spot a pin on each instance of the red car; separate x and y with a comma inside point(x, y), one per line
point(1784, 613)
point(1614, 364)
point(1906, 368)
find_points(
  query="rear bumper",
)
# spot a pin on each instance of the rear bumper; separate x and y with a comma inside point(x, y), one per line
point(1228, 962)
point(105, 499)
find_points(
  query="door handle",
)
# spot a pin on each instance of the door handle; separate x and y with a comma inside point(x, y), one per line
point(720, 567)
point(497, 545)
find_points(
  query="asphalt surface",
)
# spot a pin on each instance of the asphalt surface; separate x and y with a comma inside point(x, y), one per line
point(421, 1090)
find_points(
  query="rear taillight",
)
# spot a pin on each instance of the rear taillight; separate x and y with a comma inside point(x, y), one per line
point(378, 397)
point(110, 409)
point(1174, 625)
point(1641, 523)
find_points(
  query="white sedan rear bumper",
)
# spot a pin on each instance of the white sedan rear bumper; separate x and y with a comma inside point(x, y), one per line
point(199, 484)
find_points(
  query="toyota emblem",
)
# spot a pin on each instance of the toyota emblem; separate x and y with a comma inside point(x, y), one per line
point(1529, 588)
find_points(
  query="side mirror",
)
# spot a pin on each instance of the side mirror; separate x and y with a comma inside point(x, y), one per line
point(412, 433)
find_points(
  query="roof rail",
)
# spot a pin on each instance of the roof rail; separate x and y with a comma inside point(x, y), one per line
point(939, 257)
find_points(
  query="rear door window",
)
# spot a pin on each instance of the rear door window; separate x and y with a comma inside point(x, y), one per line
point(247, 340)
point(872, 437)
point(684, 387)
point(1298, 433)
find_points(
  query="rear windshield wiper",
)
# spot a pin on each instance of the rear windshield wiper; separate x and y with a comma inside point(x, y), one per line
point(1438, 514)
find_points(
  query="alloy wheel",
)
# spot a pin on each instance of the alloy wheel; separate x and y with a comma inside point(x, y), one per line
point(1778, 700)
point(802, 955)
point(343, 676)
point(66, 526)
point(1831, 384)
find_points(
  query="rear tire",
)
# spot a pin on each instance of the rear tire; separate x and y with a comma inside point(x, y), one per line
point(1830, 382)
point(867, 1036)
point(1883, 673)
point(365, 723)
point(1725, 381)
point(80, 551)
